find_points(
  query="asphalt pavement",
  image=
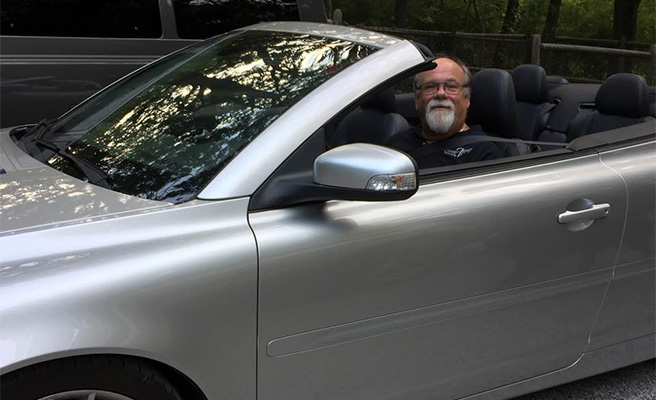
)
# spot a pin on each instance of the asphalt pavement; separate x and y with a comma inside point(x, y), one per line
point(636, 382)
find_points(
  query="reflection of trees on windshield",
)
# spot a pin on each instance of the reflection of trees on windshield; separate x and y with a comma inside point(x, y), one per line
point(170, 139)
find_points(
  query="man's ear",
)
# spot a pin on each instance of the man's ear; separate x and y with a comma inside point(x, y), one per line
point(468, 102)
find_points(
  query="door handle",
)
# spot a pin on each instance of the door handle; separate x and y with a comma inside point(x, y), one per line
point(595, 211)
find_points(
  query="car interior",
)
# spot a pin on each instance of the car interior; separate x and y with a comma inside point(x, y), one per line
point(524, 111)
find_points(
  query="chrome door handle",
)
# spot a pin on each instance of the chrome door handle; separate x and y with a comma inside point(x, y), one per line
point(594, 212)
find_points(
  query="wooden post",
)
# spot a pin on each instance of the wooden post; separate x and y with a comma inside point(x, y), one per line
point(338, 18)
point(452, 38)
point(651, 65)
point(535, 49)
point(527, 50)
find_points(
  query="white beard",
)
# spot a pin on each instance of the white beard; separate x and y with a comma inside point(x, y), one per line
point(440, 121)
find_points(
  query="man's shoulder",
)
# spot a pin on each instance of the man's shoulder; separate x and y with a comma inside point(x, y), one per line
point(473, 130)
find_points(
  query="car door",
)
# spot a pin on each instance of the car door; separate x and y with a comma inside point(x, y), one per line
point(470, 284)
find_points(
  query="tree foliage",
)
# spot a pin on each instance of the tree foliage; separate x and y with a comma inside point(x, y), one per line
point(585, 19)
point(577, 18)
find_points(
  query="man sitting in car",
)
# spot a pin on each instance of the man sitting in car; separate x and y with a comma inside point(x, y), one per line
point(442, 98)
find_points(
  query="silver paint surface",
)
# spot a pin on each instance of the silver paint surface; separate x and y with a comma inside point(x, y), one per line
point(456, 290)
point(370, 38)
point(353, 165)
point(591, 363)
point(629, 309)
point(177, 285)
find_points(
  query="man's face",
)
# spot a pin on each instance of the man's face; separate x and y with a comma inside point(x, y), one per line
point(442, 114)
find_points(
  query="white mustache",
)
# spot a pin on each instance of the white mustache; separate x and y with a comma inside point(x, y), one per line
point(440, 103)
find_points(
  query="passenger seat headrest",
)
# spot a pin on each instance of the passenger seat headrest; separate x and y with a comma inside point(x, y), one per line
point(625, 95)
point(384, 101)
point(530, 84)
point(493, 104)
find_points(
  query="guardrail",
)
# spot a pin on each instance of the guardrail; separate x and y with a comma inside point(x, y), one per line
point(534, 48)
point(650, 56)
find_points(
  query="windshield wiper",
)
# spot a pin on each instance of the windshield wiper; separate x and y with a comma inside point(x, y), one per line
point(92, 173)
point(41, 128)
point(23, 136)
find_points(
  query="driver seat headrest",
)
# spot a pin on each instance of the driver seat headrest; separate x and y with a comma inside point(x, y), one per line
point(383, 101)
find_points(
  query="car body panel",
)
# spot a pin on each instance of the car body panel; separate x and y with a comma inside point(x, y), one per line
point(456, 290)
point(177, 285)
point(629, 309)
point(369, 38)
point(636, 166)
point(591, 363)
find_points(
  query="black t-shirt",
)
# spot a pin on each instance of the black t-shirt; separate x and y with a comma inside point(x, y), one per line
point(439, 153)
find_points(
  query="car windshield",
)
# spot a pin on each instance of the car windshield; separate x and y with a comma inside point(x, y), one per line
point(163, 133)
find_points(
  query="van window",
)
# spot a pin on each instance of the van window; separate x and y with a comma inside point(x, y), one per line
point(199, 19)
point(81, 18)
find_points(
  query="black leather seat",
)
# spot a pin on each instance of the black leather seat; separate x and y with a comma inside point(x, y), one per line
point(374, 122)
point(571, 99)
point(494, 108)
point(622, 100)
point(493, 104)
point(533, 106)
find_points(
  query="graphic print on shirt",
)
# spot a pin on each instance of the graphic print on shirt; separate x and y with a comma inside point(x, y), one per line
point(457, 152)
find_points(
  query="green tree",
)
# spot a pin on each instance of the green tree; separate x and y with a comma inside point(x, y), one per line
point(646, 29)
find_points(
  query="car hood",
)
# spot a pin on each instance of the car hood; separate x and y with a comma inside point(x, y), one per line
point(36, 196)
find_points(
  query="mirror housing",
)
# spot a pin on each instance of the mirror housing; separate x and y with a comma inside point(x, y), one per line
point(367, 172)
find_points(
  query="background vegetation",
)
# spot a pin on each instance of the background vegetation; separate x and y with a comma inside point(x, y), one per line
point(631, 23)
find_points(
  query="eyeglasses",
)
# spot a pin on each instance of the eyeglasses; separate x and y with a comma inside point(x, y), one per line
point(450, 87)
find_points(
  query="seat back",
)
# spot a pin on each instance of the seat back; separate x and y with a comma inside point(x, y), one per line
point(622, 100)
point(405, 105)
point(533, 106)
point(571, 100)
point(493, 104)
point(374, 122)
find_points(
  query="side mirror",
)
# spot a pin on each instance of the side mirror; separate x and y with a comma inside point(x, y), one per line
point(367, 172)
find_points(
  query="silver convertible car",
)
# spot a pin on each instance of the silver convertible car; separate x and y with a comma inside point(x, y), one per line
point(226, 223)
